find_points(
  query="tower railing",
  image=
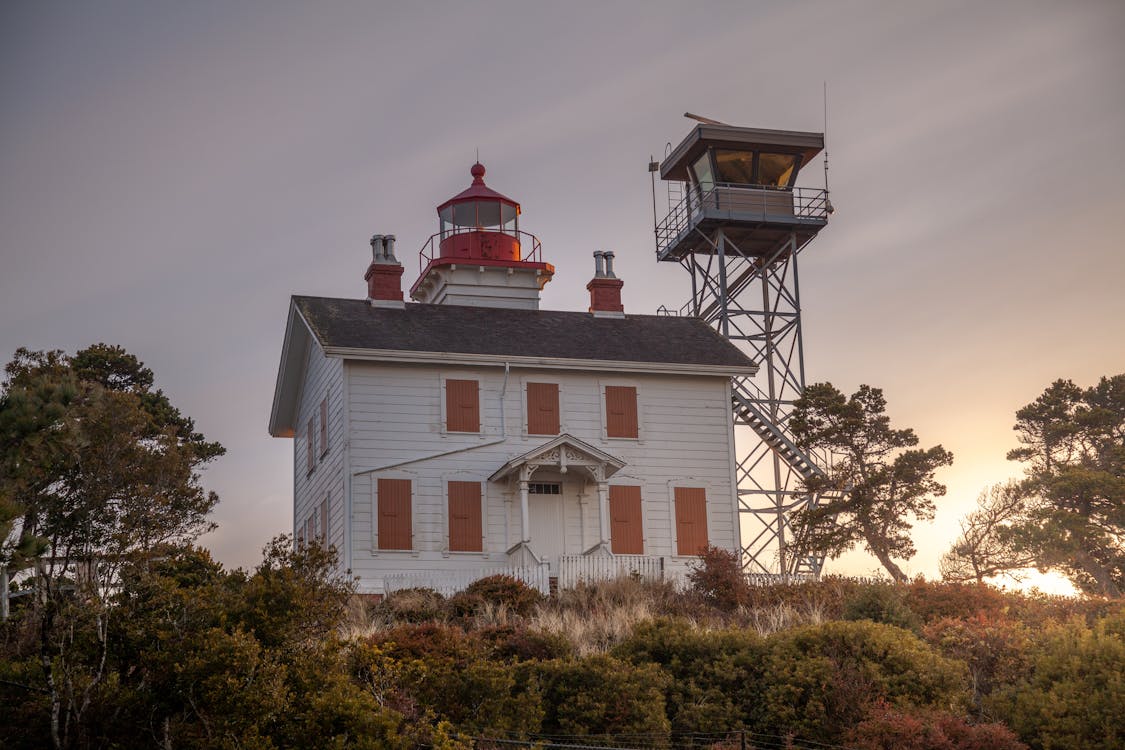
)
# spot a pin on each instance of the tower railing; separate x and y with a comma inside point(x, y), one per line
point(736, 200)
point(431, 248)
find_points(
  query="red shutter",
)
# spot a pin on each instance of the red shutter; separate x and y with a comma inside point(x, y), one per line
point(626, 527)
point(311, 440)
point(324, 426)
point(691, 520)
point(462, 406)
point(542, 408)
point(394, 514)
point(465, 530)
point(621, 411)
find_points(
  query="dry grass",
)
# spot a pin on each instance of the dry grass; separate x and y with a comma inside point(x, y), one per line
point(594, 617)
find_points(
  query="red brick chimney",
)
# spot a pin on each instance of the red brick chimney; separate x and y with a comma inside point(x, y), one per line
point(384, 275)
point(605, 288)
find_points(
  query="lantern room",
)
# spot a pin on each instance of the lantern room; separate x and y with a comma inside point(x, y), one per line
point(479, 223)
point(480, 256)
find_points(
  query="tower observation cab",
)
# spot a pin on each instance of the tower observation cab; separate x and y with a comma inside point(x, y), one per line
point(736, 222)
point(741, 180)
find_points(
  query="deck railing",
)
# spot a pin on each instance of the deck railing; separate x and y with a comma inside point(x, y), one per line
point(753, 201)
point(531, 250)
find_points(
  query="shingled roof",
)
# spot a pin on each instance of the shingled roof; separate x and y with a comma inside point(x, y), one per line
point(501, 332)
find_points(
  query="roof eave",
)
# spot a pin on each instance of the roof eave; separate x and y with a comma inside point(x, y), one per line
point(294, 352)
point(553, 363)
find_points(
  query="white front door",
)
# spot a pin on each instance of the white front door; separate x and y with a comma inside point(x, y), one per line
point(548, 531)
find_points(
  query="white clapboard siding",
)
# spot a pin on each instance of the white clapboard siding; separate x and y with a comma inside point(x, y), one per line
point(395, 427)
point(323, 378)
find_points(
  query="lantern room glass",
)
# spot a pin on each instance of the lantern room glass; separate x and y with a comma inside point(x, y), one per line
point(480, 215)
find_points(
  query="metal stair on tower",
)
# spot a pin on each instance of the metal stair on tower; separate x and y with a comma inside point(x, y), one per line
point(772, 436)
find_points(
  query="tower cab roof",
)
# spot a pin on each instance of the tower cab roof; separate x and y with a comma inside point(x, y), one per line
point(702, 137)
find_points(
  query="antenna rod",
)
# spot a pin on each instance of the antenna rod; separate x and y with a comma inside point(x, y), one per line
point(653, 166)
point(826, 136)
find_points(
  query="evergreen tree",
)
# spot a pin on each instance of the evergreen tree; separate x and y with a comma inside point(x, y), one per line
point(877, 480)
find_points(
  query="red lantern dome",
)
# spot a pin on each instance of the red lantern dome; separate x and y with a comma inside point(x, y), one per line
point(479, 223)
point(479, 227)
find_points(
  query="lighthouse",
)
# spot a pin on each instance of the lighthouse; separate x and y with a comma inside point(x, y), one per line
point(459, 431)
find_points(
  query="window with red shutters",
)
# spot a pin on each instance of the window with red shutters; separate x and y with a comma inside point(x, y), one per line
point(310, 439)
point(324, 427)
point(542, 408)
point(626, 527)
point(394, 523)
point(465, 528)
point(691, 520)
point(462, 406)
point(621, 411)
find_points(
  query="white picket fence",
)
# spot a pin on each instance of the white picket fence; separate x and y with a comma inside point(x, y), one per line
point(448, 583)
point(575, 569)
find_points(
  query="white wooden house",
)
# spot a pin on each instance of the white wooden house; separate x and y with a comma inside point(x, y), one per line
point(470, 432)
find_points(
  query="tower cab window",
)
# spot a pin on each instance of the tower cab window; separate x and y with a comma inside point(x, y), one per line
point(750, 168)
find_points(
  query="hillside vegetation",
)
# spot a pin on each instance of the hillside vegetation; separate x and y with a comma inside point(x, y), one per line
point(285, 656)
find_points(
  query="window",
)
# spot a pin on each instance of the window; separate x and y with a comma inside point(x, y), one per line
point(703, 175)
point(626, 527)
point(324, 427)
point(620, 411)
point(691, 520)
point(462, 406)
point(394, 524)
point(735, 166)
point(544, 488)
point(323, 531)
point(310, 453)
point(776, 170)
point(542, 409)
point(465, 528)
point(309, 534)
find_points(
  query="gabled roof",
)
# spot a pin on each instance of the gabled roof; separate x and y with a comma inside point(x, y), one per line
point(612, 464)
point(347, 326)
point(459, 335)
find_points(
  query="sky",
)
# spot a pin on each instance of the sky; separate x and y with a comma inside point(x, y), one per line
point(170, 173)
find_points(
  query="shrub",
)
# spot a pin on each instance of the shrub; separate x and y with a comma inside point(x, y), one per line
point(994, 648)
point(936, 600)
point(1073, 693)
point(820, 681)
point(601, 696)
point(717, 578)
point(519, 643)
point(715, 675)
point(412, 605)
point(426, 640)
point(511, 593)
point(888, 729)
point(880, 602)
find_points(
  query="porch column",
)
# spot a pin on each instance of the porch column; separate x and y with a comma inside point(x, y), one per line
point(525, 520)
point(603, 507)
